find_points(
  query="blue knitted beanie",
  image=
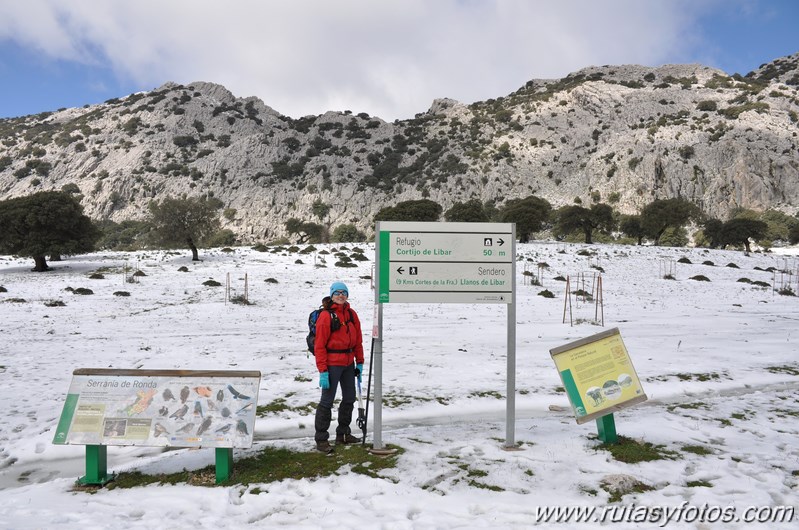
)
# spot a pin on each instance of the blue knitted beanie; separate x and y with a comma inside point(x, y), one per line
point(339, 286)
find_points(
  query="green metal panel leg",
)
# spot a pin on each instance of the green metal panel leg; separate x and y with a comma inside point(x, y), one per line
point(224, 463)
point(606, 426)
point(96, 466)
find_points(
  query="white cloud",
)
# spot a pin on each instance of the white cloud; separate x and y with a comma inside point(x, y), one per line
point(389, 58)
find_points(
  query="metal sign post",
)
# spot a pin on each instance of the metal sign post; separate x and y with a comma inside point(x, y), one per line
point(420, 262)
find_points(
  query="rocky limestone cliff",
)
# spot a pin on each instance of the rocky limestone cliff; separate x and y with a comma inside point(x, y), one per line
point(620, 134)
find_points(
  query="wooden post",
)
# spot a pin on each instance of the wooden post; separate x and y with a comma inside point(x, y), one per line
point(599, 309)
point(568, 301)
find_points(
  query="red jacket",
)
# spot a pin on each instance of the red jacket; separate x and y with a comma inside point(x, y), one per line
point(347, 337)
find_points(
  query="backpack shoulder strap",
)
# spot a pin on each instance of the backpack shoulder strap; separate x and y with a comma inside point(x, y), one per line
point(335, 322)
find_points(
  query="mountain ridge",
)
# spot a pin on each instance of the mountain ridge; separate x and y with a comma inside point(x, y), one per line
point(625, 134)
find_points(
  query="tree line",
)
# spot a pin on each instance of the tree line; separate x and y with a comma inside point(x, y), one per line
point(51, 224)
point(661, 221)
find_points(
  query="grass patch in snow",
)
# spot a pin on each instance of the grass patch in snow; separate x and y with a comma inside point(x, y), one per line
point(273, 465)
point(632, 451)
point(398, 400)
point(699, 484)
point(487, 393)
point(279, 405)
point(240, 299)
point(690, 406)
point(783, 413)
point(392, 401)
point(698, 377)
point(588, 490)
point(472, 475)
point(685, 376)
point(787, 369)
point(697, 450)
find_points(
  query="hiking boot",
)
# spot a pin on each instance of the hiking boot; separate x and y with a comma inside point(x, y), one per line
point(324, 447)
point(346, 439)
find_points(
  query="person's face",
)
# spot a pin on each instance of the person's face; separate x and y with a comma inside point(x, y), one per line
point(339, 297)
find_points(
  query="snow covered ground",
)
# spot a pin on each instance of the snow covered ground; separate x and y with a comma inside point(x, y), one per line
point(718, 360)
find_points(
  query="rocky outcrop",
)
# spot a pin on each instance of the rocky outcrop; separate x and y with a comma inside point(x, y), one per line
point(620, 134)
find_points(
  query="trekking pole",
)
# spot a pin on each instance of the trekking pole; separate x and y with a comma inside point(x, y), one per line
point(361, 413)
point(368, 387)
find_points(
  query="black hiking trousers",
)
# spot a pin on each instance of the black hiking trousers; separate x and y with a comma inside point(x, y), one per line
point(339, 375)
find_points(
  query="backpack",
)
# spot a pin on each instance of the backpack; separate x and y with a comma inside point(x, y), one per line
point(335, 324)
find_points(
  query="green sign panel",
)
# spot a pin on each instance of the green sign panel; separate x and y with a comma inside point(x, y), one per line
point(446, 262)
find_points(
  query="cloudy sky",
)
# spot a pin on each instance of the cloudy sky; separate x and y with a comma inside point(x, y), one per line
point(389, 58)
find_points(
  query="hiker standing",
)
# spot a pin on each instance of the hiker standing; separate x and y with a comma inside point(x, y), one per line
point(338, 349)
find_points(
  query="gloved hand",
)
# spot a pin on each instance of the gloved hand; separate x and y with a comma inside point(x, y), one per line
point(324, 380)
point(359, 371)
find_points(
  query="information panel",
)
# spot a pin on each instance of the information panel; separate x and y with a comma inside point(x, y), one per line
point(446, 262)
point(598, 375)
point(179, 408)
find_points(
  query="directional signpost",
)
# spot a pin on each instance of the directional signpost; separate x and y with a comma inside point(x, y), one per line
point(445, 263)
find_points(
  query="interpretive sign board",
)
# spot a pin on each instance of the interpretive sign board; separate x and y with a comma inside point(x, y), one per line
point(180, 408)
point(598, 375)
point(445, 262)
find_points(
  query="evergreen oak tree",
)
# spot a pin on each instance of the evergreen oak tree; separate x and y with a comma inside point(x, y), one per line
point(661, 214)
point(529, 214)
point(573, 218)
point(45, 223)
point(418, 210)
point(179, 222)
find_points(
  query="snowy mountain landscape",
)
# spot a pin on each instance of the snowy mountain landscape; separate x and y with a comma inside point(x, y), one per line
point(717, 359)
point(622, 134)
